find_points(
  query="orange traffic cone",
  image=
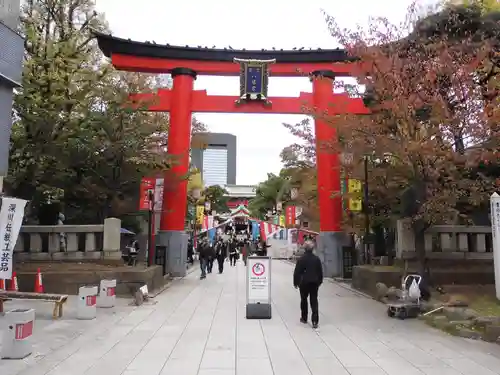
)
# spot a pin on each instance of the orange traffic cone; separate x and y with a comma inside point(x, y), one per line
point(38, 282)
point(2, 284)
point(13, 287)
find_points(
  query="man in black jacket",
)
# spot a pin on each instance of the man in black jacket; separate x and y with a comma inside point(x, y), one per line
point(203, 256)
point(211, 257)
point(220, 254)
point(308, 276)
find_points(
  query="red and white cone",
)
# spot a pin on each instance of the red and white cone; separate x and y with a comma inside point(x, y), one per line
point(38, 282)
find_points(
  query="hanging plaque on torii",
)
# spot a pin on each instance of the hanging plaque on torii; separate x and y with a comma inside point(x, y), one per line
point(254, 80)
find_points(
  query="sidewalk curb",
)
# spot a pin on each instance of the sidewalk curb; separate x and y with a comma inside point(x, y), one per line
point(169, 283)
point(346, 286)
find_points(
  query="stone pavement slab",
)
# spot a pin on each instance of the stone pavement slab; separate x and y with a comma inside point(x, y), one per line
point(198, 327)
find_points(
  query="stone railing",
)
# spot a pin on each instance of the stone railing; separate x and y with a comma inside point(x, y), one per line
point(449, 242)
point(69, 242)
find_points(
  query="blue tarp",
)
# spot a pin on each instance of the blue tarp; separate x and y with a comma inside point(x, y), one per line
point(255, 229)
point(211, 235)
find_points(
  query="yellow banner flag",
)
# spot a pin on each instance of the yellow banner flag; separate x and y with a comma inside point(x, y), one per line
point(354, 186)
point(282, 220)
point(355, 204)
point(200, 213)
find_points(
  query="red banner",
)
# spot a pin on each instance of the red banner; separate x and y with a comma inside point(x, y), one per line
point(290, 215)
point(147, 184)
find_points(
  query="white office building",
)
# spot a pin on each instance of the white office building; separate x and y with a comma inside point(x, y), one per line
point(215, 166)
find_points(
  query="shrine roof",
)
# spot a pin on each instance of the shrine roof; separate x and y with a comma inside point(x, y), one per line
point(240, 211)
point(110, 45)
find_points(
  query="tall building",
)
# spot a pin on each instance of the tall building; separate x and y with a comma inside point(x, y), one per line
point(214, 154)
point(11, 56)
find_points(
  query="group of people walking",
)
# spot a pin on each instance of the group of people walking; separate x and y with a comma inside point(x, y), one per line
point(307, 276)
point(222, 249)
point(230, 247)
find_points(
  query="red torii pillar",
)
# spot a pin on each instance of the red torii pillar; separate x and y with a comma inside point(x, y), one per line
point(331, 237)
point(171, 236)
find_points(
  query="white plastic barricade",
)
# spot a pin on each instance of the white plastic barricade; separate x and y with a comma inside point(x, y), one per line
point(18, 329)
point(258, 288)
point(107, 295)
point(87, 303)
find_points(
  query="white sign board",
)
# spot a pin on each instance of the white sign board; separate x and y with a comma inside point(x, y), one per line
point(158, 194)
point(11, 219)
point(495, 232)
point(259, 280)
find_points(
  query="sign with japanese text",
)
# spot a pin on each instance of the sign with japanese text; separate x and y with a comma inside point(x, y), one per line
point(254, 79)
point(290, 215)
point(11, 219)
point(355, 204)
point(343, 189)
point(200, 214)
point(282, 220)
point(259, 280)
point(355, 187)
point(158, 194)
point(147, 186)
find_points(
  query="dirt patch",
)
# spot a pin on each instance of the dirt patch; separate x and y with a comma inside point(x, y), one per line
point(470, 311)
point(480, 298)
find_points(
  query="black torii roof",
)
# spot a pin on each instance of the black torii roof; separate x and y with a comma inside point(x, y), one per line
point(112, 45)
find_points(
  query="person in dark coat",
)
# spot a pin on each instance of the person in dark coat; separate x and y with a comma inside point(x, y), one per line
point(211, 257)
point(232, 252)
point(308, 276)
point(244, 252)
point(190, 251)
point(203, 256)
point(220, 254)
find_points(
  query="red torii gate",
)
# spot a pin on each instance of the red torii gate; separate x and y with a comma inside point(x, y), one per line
point(185, 63)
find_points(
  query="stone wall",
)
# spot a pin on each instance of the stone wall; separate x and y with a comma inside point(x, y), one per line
point(447, 242)
point(70, 242)
point(366, 277)
point(67, 281)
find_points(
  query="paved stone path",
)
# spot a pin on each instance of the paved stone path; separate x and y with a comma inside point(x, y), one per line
point(198, 327)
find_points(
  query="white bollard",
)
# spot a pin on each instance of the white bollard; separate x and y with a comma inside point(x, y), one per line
point(87, 303)
point(107, 295)
point(19, 324)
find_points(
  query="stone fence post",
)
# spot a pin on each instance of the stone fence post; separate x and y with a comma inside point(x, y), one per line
point(111, 246)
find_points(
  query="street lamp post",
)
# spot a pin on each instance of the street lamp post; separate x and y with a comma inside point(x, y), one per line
point(366, 210)
point(151, 247)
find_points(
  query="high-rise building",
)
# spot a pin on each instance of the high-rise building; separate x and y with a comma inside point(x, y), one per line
point(214, 154)
point(11, 57)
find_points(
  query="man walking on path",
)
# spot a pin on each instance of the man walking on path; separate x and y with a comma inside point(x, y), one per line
point(220, 253)
point(211, 257)
point(308, 276)
point(203, 256)
point(232, 252)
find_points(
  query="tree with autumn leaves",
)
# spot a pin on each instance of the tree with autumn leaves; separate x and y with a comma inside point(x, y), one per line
point(432, 87)
point(77, 141)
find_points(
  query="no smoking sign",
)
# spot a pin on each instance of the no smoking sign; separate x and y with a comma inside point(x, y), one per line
point(258, 269)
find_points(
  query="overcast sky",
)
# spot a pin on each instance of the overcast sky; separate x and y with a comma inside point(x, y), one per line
point(254, 24)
